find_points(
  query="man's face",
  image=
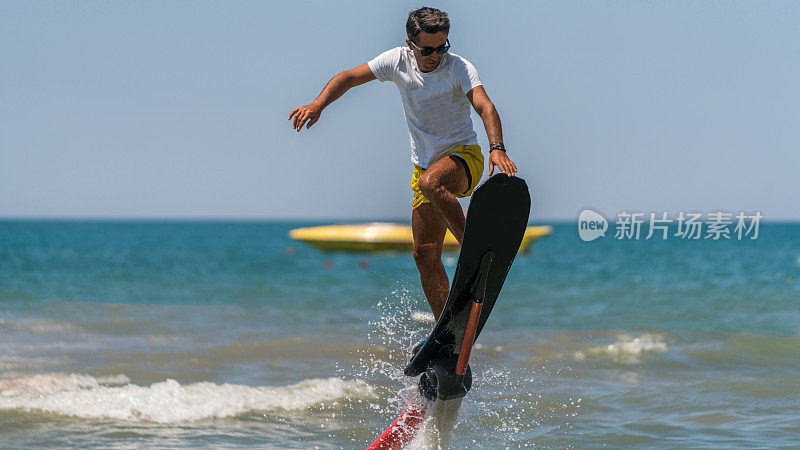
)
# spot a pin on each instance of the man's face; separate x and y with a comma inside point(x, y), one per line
point(430, 62)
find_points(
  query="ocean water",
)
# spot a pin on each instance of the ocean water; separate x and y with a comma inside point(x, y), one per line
point(192, 334)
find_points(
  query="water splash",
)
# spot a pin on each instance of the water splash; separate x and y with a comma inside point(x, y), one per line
point(507, 408)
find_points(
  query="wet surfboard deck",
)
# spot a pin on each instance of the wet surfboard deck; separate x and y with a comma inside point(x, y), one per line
point(496, 220)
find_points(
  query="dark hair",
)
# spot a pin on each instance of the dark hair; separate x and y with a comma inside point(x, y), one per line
point(429, 20)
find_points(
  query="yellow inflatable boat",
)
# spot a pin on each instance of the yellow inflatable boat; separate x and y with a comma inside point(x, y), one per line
point(381, 236)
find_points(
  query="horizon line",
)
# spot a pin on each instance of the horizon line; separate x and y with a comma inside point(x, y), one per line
point(543, 221)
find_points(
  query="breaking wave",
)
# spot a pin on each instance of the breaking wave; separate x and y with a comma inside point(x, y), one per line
point(168, 401)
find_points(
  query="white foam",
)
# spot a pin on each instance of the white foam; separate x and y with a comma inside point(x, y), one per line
point(167, 401)
point(55, 382)
point(43, 326)
point(422, 317)
point(627, 349)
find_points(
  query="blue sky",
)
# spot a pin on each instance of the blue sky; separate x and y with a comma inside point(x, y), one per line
point(171, 109)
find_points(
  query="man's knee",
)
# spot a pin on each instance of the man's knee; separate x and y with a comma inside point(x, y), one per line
point(428, 184)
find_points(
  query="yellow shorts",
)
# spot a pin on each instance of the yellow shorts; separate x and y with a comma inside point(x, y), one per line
point(471, 154)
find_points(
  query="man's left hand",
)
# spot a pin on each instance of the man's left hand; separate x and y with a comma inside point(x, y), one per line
point(500, 159)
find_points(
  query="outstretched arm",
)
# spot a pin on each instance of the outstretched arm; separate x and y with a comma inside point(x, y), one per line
point(335, 88)
point(491, 121)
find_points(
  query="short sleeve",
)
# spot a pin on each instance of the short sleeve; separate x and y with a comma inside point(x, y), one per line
point(464, 74)
point(383, 66)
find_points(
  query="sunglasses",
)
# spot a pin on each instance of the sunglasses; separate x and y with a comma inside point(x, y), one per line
point(425, 51)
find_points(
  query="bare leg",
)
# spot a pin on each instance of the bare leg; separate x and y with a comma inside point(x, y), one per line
point(429, 223)
point(429, 232)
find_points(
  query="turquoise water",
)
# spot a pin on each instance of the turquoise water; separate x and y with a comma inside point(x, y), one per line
point(187, 334)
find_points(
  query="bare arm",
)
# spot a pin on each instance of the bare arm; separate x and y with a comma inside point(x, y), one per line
point(494, 130)
point(335, 88)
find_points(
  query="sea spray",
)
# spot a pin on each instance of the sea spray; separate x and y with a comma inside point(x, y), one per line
point(506, 408)
point(396, 331)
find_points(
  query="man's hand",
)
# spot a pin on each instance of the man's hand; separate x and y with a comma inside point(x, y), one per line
point(338, 85)
point(500, 159)
point(309, 113)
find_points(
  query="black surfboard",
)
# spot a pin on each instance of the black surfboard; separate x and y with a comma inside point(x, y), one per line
point(496, 220)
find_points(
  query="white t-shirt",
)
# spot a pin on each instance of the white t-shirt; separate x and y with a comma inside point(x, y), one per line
point(435, 103)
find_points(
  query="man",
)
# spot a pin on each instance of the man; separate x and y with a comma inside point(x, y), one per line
point(436, 88)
